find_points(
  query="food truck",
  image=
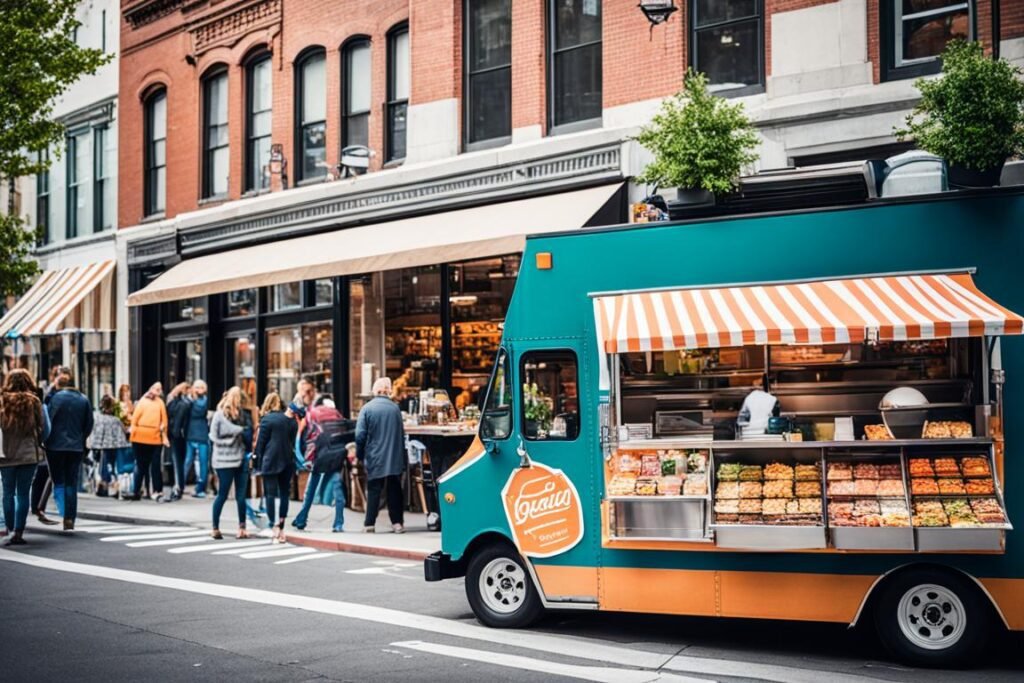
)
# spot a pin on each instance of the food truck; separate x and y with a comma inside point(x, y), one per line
point(782, 416)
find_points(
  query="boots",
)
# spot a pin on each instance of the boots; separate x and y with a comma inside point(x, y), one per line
point(69, 524)
point(16, 537)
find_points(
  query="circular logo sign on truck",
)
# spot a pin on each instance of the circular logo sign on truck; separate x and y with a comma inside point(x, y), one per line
point(543, 510)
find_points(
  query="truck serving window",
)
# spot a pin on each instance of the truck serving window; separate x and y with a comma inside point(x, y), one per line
point(550, 406)
point(497, 418)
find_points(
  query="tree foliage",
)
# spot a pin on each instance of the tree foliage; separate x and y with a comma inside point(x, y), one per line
point(973, 115)
point(39, 60)
point(698, 140)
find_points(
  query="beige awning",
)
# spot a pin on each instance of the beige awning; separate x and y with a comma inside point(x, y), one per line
point(479, 232)
point(70, 299)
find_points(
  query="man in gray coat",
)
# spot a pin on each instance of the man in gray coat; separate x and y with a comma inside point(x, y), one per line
point(380, 446)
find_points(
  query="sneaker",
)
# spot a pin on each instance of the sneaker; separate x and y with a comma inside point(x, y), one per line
point(175, 496)
point(335, 530)
point(397, 529)
point(369, 530)
point(199, 494)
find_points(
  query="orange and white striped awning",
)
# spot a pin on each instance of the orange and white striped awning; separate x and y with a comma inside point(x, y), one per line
point(70, 299)
point(890, 307)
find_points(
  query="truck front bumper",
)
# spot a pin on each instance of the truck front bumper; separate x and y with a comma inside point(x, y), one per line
point(438, 566)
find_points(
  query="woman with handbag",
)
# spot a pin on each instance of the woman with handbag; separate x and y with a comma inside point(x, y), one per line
point(275, 460)
point(228, 459)
point(25, 425)
point(148, 437)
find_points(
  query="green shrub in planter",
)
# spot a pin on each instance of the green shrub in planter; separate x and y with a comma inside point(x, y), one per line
point(973, 114)
point(699, 141)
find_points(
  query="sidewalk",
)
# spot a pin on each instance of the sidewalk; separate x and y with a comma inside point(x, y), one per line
point(415, 544)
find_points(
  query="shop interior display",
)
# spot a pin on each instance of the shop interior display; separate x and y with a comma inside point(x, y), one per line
point(777, 493)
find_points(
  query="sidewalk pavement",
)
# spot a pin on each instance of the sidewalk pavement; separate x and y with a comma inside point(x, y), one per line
point(415, 544)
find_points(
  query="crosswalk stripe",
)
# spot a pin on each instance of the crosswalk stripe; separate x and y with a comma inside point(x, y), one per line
point(303, 558)
point(216, 546)
point(169, 541)
point(239, 550)
point(134, 529)
point(282, 552)
point(153, 536)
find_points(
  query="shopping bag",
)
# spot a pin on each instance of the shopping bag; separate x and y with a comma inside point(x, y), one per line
point(125, 483)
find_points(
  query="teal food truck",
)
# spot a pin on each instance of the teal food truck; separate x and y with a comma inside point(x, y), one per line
point(781, 416)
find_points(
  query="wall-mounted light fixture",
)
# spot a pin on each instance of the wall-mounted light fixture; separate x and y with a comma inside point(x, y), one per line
point(657, 11)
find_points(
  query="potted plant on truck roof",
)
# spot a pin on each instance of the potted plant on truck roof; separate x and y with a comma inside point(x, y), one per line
point(701, 143)
point(972, 115)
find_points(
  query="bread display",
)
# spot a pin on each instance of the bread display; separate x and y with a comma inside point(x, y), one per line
point(947, 430)
point(877, 433)
point(974, 466)
point(838, 471)
point(808, 472)
point(980, 487)
point(865, 470)
point(891, 487)
point(778, 489)
point(921, 467)
point(750, 489)
point(951, 487)
point(778, 471)
point(727, 489)
point(808, 489)
point(924, 487)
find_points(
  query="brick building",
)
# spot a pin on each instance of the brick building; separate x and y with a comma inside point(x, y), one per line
point(234, 116)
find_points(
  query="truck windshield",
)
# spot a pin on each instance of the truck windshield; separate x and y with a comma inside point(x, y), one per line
point(497, 418)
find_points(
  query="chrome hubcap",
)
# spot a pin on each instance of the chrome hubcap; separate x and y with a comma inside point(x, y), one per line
point(932, 617)
point(503, 586)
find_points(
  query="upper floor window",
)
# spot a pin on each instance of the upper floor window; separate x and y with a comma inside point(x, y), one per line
point(727, 44)
point(43, 201)
point(215, 135)
point(574, 63)
point(79, 205)
point(398, 93)
point(311, 119)
point(155, 153)
point(355, 125)
point(915, 32)
point(488, 70)
point(104, 153)
point(258, 105)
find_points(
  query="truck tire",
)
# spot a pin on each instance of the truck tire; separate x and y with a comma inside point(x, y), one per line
point(500, 590)
point(932, 618)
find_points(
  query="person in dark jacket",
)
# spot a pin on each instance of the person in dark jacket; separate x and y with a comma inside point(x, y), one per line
point(178, 410)
point(327, 434)
point(380, 446)
point(41, 483)
point(71, 422)
point(275, 455)
point(197, 437)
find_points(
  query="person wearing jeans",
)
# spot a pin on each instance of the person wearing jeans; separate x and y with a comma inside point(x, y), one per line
point(228, 458)
point(197, 437)
point(178, 409)
point(322, 482)
point(108, 436)
point(275, 454)
point(24, 424)
point(71, 423)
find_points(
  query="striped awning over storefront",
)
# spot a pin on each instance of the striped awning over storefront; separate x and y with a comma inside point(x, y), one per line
point(70, 299)
point(888, 307)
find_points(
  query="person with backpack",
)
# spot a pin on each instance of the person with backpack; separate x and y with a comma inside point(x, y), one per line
point(178, 408)
point(327, 435)
point(71, 423)
point(229, 449)
point(274, 451)
point(24, 424)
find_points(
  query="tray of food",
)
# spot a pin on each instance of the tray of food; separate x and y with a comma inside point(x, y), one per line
point(958, 523)
point(658, 473)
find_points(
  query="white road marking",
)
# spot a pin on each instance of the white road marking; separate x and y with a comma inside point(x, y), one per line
point(303, 558)
point(153, 537)
point(135, 529)
point(169, 541)
point(579, 648)
point(279, 552)
point(234, 545)
point(587, 673)
point(237, 548)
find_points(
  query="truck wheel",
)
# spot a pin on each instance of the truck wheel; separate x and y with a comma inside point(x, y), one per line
point(931, 618)
point(500, 590)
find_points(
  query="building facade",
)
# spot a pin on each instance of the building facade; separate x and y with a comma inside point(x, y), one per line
point(322, 188)
point(68, 317)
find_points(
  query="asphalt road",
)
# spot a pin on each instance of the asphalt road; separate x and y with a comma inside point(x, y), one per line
point(115, 603)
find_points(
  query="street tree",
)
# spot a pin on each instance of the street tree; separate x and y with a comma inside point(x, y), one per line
point(39, 60)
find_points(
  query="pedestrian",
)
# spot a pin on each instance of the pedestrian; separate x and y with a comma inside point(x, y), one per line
point(24, 425)
point(380, 446)
point(178, 410)
point(250, 424)
point(108, 436)
point(197, 437)
point(226, 433)
point(275, 460)
point(42, 485)
point(125, 405)
point(327, 434)
point(71, 423)
point(148, 437)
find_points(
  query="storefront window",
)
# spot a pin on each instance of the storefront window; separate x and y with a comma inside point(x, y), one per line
point(286, 296)
point(412, 320)
point(366, 335)
point(297, 352)
point(191, 309)
point(324, 292)
point(98, 356)
point(480, 294)
point(240, 303)
point(185, 362)
point(244, 352)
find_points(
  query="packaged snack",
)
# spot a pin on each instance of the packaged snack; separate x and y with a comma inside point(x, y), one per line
point(728, 471)
point(838, 471)
point(751, 473)
point(650, 466)
point(647, 486)
point(622, 484)
point(808, 472)
point(750, 489)
point(628, 462)
point(808, 489)
point(696, 485)
point(841, 488)
point(697, 462)
point(778, 471)
point(778, 489)
point(668, 465)
point(670, 485)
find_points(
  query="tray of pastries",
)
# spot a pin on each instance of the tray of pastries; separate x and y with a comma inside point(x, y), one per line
point(951, 487)
point(929, 513)
point(751, 473)
point(891, 488)
point(728, 471)
point(750, 506)
point(695, 485)
point(727, 489)
point(842, 487)
point(727, 506)
point(987, 511)
point(975, 466)
point(943, 429)
point(890, 470)
point(980, 487)
point(778, 489)
point(866, 470)
point(808, 489)
point(960, 514)
point(921, 467)
point(750, 489)
point(840, 514)
point(778, 471)
point(622, 484)
point(946, 467)
point(838, 471)
point(865, 487)
point(924, 487)
point(894, 513)
point(808, 472)
point(877, 433)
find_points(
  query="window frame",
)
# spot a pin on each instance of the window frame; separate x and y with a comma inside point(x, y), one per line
point(74, 185)
point(100, 177)
point(149, 208)
point(391, 103)
point(304, 58)
point(43, 197)
point(551, 40)
point(509, 367)
point(251, 63)
point(467, 76)
point(691, 38)
point(889, 15)
point(206, 83)
point(354, 43)
point(521, 367)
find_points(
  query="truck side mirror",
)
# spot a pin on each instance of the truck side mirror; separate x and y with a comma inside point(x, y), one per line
point(491, 447)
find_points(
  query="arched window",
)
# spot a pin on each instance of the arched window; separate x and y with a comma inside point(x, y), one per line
point(398, 92)
point(258, 106)
point(311, 115)
point(155, 152)
point(355, 118)
point(216, 158)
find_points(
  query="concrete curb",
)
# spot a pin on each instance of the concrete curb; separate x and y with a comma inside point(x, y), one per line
point(346, 547)
point(125, 519)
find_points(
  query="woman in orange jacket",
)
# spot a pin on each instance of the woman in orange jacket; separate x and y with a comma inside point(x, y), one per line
point(148, 437)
